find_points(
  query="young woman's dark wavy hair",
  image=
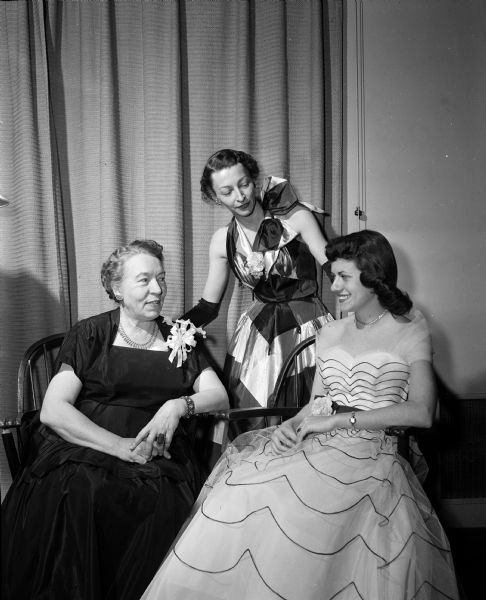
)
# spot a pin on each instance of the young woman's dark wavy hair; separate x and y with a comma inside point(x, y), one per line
point(372, 254)
point(222, 159)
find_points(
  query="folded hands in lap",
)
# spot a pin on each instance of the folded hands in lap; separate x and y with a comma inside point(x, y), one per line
point(156, 437)
point(287, 435)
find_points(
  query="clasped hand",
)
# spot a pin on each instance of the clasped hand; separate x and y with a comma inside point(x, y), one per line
point(288, 435)
point(156, 437)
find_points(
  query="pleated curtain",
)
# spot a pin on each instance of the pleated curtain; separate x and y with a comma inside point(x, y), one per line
point(108, 111)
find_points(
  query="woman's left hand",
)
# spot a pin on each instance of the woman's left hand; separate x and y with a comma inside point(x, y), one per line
point(160, 429)
point(315, 424)
point(283, 437)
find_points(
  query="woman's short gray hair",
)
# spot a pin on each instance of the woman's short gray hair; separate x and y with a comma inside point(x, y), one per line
point(112, 268)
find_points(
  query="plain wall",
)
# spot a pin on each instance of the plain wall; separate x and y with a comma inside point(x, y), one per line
point(415, 162)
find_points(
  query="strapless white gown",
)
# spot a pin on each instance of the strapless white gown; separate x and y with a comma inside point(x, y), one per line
point(339, 517)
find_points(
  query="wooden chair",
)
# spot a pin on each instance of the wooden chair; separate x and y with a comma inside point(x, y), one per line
point(35, 372)
point(289, 365)
point(273, 413)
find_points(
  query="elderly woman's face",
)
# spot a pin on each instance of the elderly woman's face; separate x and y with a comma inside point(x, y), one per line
point(142, 287)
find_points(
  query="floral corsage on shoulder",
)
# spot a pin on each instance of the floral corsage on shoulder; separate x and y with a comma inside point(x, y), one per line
point(255, 264)
point(182, 338)
point(323, 406)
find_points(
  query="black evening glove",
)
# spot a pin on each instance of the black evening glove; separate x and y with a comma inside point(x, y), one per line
point(326, 267)
point(203, 313)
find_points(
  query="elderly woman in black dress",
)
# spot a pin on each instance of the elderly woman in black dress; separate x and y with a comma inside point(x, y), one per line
point(110, 474)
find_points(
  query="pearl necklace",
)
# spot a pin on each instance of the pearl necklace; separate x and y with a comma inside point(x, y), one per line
point(369, 323)
point(126, 338)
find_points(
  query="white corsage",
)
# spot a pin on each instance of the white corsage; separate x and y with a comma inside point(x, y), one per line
point(181, 338)
point(255, 264)
point(322, 406)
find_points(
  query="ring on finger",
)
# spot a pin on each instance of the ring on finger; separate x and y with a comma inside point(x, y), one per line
point(160, 439)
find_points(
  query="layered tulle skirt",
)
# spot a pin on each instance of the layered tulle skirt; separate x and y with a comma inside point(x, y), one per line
point(341, 516)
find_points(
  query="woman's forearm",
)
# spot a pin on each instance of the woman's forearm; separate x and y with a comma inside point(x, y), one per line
point(59, 413)
point(209, 400)
point(203, 313)
point(297, 419)
point(69, 423)
point(399, 415)
point(209, 393)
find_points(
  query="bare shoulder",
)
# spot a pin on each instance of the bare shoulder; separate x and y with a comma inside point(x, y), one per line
point(413, 319)
point(218, 241)
point(299, 216)
point(220, 234)
point(331, 332)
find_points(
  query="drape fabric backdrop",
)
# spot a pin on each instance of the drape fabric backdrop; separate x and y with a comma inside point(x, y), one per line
point(109, 110)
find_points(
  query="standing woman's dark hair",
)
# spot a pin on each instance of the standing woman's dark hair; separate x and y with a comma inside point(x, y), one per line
point(374, 257)
point(223, 159)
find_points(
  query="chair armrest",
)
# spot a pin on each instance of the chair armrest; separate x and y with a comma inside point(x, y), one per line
point(235, 414)
point(211, 437)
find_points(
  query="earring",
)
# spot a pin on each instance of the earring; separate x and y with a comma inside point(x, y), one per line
point(218, 202)
point(119, 297)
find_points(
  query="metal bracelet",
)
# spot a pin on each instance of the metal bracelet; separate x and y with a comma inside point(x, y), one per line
point(190, 408)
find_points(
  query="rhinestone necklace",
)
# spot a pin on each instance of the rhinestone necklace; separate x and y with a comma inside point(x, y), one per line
point(369, 323)
point(126, 338)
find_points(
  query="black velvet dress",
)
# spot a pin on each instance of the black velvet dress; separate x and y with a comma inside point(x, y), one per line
point(81, 524)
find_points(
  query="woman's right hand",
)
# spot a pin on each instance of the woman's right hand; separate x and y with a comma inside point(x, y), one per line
point(283, 438)
point(163, 423)
point(141, 454)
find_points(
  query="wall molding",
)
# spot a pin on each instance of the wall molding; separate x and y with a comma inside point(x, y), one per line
point(354, 117)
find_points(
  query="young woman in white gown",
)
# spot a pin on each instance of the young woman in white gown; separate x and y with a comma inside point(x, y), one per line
point(323, 507)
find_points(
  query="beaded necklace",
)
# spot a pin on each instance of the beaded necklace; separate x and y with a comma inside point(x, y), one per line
point(369, 323)
point(126, 338)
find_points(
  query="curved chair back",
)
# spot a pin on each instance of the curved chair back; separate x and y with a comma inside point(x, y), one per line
point(35, 372)
point(289, 366)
